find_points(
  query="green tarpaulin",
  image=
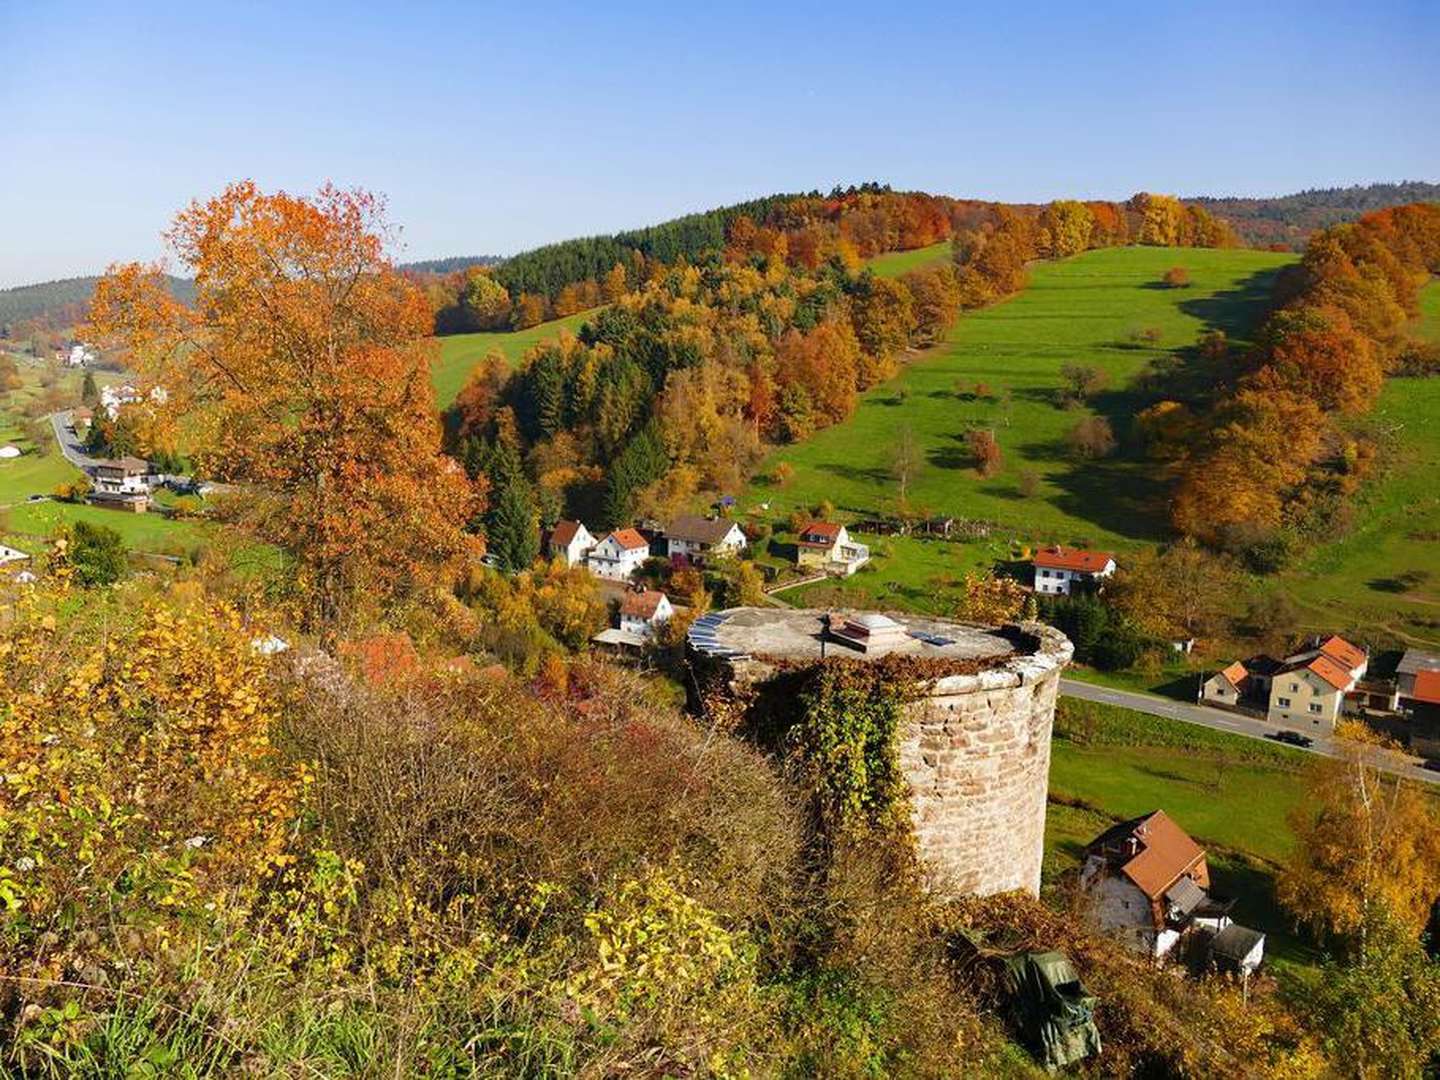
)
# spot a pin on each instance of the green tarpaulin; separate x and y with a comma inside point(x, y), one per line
point(1051, 1008)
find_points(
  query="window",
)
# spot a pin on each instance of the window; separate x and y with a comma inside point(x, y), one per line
point(1315, 708)
point(1283, 702)
point(1294, 687)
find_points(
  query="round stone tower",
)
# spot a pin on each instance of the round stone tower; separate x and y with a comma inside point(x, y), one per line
point(975, 744)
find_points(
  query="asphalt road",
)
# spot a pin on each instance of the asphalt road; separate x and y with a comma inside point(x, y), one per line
point(69, 442)
point(1235, 724)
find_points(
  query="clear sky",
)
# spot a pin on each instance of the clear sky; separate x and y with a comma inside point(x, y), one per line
point(492, 128)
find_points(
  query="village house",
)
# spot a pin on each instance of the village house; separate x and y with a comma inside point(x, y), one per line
point(698, 538)
point(121, 484)
point(1313, 683)
point(9, 556)
point(571, 541)
point(1058, 569)
point(1148, 884)
point(823, 545)
point(1245, 683)
point(643, 611)
point(618, 555)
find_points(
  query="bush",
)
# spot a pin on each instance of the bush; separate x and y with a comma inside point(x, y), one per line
point(1177, 277)
point(97, 554)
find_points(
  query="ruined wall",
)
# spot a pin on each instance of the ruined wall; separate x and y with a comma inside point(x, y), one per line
point(976, 752)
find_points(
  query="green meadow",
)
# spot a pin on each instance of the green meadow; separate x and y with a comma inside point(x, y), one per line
point(1384, 573)
point(895, 263)
point(459, 353)
point(1001, 369)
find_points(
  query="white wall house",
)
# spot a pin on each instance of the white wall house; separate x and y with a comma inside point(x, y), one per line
point(1058, 569)
point(571, 541)
point(122, 483)
point(642, 613)
point(827, 546)
point(1310, 689)
point(618, 555)
point(698, 538)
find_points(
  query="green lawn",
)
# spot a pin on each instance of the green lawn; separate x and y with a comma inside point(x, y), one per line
point(459, 353)
point(1083, 310)
point(1231, 794)
point(895, 263)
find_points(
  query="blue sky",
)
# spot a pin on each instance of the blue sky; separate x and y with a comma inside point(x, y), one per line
point(492, 128)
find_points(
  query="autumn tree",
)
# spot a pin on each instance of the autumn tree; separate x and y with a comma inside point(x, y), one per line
point(1181, 592)
point(1082, 382)
point(483, 301)
point(985, 449)
point(1367, 842)
point(1177, 277)
point(303, 373)
point(1065, 228)
point(1091, 438)
point(992, 600)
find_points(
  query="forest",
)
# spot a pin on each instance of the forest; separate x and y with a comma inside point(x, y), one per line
point(1287, 221)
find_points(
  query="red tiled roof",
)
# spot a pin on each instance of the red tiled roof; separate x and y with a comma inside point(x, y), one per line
point(1061, 558)
point(1166, 852)
point(1427, 687)
point(564, 532)
point(1343, 653)
point(1330, 671)
point(1236, 673)
point(641, 605)
point(629, 539)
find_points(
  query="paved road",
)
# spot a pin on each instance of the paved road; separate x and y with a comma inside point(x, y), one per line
point(1235, 724)
point(69, 442)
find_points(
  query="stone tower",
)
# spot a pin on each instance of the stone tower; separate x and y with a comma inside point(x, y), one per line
point(975, 743)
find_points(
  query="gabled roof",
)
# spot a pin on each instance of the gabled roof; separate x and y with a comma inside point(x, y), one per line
point(1343, 653)
point(642, 605)
point(826, 531)
point(699, 530)
point(1427, 687)
point(1163, 851)
point(1236, 942)
point(1063, 558)
point(128, 464)
point(628, 539)
point(564, 532)
point(1235, 674)
point(1337, 676)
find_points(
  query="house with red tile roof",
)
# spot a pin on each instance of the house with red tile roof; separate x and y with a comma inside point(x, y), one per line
point(824, 545)
point(569, 540)
point(643, 610)
point(1309, 689)
point(1148, 885)
point(1060, 569)
point(618, 555)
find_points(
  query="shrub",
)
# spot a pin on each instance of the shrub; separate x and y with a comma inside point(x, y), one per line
point(1177, 277)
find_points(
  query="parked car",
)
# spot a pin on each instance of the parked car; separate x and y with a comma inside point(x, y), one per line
point(1293, 738)
point(1433, 764)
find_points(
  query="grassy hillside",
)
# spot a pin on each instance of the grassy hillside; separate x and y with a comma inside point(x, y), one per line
point(894, 263)
point(1385, 572)
point(1085, 310)
point(459, 353)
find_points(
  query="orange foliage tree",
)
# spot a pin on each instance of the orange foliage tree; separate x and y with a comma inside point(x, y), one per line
point(304, 371)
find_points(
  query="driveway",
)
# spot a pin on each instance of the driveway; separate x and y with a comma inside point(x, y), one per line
point(1235, 724)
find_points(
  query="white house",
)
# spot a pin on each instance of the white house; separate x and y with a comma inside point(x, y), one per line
point(571, 541)
point(122, 484)
point(80, 355)
point(642, 612)
point(1146, 882)
point(698, 537)
point(9, 555)
point(827, 546)
point(1311, 686)
point(618, 555)
point(1058, 569)
point(113, 397)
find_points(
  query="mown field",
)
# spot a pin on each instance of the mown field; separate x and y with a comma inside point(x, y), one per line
point(895, 263)
point(1233, 795)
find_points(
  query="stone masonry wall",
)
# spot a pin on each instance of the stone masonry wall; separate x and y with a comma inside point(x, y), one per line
point(976, 753)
